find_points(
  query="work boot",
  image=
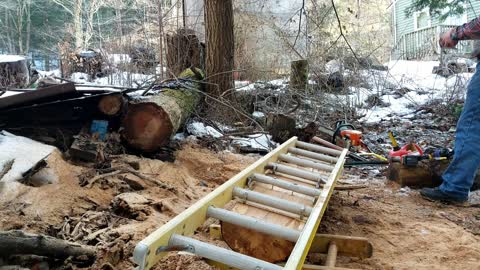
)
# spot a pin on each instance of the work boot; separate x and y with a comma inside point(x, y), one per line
point(435, 194)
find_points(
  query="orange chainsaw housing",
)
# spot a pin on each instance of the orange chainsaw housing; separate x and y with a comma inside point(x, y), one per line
point(354, 136)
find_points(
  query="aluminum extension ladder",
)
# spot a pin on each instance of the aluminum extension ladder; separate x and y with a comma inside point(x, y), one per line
point(308, 161)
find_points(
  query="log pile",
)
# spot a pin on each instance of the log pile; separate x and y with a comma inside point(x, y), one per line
point(13, 71)
point(89, 62)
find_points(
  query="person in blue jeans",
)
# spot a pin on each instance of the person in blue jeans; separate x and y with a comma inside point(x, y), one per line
point(459, 176)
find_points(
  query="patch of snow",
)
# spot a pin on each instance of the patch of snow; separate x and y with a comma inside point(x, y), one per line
point(10, 93)
point(24, 151)
point(419, 83)
point(10, 58)
point(257, 114)
point(51, 73)
point(180, 136)
point(80, 77)
point(256, 141)
point(244, 85)
point(333, 66)
point(279, 82)
point(119, 58)
point(199, 129)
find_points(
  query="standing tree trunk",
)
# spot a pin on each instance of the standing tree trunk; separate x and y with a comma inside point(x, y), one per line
point(220, 46)
point(299, 75)
point(77, 24)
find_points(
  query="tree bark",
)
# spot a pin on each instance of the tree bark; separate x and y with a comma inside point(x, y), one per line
point(19, 243)
point(77, 24)
point(151, 121)
point(220, 46)
point(299, 75)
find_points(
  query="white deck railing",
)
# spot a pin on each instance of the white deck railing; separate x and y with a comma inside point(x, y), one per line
point(424, 44)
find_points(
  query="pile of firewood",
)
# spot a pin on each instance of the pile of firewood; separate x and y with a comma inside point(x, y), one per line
point(89, 62)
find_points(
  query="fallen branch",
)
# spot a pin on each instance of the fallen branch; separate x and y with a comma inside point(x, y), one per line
point(19, 242)
point(121, 170)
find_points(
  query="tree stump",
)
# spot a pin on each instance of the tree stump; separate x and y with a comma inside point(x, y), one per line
point(184, 51)
point(299, 75)
point(13, 71)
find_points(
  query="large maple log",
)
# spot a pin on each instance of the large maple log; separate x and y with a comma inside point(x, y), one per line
point(21, 243)
point(13, 71)
point(151, 121)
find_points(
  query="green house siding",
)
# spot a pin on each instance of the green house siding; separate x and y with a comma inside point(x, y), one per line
point(404, 24)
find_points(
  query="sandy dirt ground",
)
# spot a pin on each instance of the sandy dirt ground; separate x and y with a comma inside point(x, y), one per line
point(406, 231)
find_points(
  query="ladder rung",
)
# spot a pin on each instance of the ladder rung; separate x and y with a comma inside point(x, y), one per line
point(312, 155)
point(282, 204)
point(306, 163)
point(285, 184)
point(253, 223)
point(312, 176)
point(225, 256)
point(317, 148)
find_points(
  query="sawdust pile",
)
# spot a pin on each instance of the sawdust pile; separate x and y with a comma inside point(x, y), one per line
point(406, 231)
point(117, 209)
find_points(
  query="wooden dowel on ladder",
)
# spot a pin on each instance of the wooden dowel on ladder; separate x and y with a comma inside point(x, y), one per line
point(292, 207)
point(317, 148)
point(253, 224)
point(332, 255)
point(284, 184)
point(276, 167)
point(222, 255)
point(305, 163)
point(312, 155)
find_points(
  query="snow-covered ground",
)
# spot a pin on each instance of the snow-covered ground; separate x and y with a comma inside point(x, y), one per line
point(420, 85)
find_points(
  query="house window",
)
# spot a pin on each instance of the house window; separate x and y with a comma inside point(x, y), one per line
point(422, 20)
point(458, 19)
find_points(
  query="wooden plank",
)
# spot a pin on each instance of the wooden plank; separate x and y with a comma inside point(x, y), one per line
point(50, 93)
point(347, 245)
point(187, 222)
point(301, 249)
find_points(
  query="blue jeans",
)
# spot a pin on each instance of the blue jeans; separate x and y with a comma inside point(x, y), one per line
point(459, 176)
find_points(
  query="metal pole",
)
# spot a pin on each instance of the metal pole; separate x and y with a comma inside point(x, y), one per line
point(285, 184)
point(317, 148)
point(282, 204)
point(312, 155)
point(222, 255)
point(306, 163)
point(276, 167)
point(253, 224)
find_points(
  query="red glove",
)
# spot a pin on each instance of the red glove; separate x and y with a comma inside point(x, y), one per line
point(446, 40)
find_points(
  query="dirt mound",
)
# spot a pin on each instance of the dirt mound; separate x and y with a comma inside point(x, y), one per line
point(119, 208)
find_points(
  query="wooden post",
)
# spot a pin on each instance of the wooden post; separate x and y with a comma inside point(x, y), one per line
point(299, 75)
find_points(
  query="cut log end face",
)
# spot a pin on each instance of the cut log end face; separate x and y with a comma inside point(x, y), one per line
point(256, 244)
point(147, 127)
point(110, 105)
